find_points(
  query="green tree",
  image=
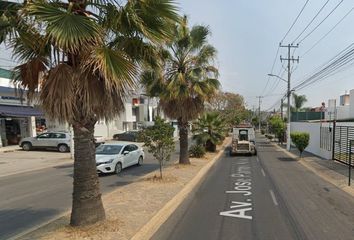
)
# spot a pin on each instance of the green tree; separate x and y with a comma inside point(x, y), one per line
point(301, 140)
point(230, 106)
point(185, 78)
point(299, 101)
point(277, 126)
point(209, 130)
point(81, 58)
point(159, 141)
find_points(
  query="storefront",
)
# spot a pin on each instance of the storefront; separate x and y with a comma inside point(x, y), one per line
point(17, 122)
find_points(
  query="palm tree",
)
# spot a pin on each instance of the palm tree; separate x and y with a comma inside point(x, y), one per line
point(184, 79)
point(210, 130)
point(299, 101)
point(81, 58)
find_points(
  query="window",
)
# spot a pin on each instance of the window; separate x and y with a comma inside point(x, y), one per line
point(58, 135)
point(133, 147)
point(44, 136)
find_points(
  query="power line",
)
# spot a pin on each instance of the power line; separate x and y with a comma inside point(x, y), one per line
point(297, 17)
point(324, 36)
point(323, 6)
point(330, 13)
point(271, 71)
point(338, 63)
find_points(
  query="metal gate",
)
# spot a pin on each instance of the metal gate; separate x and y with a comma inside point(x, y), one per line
point(341, 148)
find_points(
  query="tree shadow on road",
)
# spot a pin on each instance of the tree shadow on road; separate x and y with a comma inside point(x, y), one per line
point(18, 220)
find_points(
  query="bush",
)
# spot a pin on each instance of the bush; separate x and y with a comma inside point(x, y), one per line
point(301, 140)
point(262, 131)
point(197, 151)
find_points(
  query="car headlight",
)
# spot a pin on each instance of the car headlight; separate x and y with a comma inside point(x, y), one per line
point(106, 162)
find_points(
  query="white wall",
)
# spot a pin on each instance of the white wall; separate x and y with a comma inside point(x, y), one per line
point(314, 130)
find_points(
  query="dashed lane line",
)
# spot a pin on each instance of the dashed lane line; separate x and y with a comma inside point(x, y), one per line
point(273, 198)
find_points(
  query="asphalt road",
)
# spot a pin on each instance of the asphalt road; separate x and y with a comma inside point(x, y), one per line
point(266, 197)
point(33, 198)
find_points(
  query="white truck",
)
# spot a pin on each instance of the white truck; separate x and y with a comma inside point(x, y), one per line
point(243, 140)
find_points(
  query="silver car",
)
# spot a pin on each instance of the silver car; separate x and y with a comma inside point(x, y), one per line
point(58, 140)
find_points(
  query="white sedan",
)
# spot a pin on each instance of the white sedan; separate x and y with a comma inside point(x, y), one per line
point(113, 157)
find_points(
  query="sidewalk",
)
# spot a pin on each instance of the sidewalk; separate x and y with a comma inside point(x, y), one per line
point(11, 148)
point(330, 170)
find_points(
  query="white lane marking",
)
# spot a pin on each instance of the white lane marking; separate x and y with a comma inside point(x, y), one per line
point(273, 197)
point(263, 172)
point(257, 159)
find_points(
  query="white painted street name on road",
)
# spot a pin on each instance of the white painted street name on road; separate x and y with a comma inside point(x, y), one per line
point(242, 187)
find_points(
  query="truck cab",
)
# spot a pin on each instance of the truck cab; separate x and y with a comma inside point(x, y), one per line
point(243, 140)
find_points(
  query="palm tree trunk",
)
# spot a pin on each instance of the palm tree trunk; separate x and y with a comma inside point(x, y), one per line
point(183, 143)
point(87, 207)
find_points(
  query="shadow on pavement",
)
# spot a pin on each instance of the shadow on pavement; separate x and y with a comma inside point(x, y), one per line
point(13, 221)
point(287, 159)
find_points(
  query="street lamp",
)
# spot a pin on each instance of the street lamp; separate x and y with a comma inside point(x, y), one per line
point(288, 110)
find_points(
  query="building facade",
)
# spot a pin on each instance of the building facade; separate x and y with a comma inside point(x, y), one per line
point(18, 118)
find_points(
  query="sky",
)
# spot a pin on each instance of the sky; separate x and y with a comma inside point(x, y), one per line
point(247, 33)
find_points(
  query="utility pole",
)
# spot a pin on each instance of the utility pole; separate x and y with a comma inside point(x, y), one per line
point(289, 59)
point(259, 112)
point(281, 108)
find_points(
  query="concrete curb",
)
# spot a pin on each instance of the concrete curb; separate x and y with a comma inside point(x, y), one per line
point(322, 175)
point(151, 227)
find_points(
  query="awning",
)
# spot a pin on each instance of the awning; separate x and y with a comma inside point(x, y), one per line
point(19, 111)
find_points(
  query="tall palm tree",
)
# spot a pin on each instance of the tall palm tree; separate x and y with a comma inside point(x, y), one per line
point(299, 101)
point(184, 79)
point(81, 57)
point(210, 130)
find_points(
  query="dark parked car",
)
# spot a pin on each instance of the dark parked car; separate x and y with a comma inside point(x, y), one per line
point(131, 136)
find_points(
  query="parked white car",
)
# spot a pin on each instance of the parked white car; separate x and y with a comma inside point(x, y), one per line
point(52, 140)
point(114, 157)
point(58, 140)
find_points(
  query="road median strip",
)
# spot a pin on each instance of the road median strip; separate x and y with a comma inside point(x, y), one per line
point(138, 208)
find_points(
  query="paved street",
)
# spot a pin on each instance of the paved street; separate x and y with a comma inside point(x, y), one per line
point(35, 197)
point(265, 197)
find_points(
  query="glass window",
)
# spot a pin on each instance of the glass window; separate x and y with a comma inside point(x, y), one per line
point(133, 147)
point(58, 135)
point(44, 135)
point(108, 149)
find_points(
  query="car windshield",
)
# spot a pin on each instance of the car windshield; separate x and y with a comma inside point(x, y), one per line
point(108, 149)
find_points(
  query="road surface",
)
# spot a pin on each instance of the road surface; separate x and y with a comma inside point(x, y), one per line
point(265, 197)
point(33, 198)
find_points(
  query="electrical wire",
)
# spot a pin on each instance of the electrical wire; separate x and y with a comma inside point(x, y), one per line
point(292, 25)
point(338, 63)
point(308, 25)
point(330, 13)
point(324, 36)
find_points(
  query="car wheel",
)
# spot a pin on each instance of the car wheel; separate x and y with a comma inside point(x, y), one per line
point(26, 146)
point(118, 168)
point(140, 161)
point(63, 148)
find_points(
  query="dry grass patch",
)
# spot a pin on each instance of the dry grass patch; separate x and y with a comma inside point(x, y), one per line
point(91, 232)
point(166, 178)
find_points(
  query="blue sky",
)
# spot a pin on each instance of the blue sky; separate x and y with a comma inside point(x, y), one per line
point(247, 34)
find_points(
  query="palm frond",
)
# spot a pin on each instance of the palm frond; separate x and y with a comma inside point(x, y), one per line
point(69, 31)
point(116, 69)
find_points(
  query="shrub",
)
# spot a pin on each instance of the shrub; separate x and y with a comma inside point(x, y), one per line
point(159, 141)
point(197, 151)
point(301, 140)
point(262, 131)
